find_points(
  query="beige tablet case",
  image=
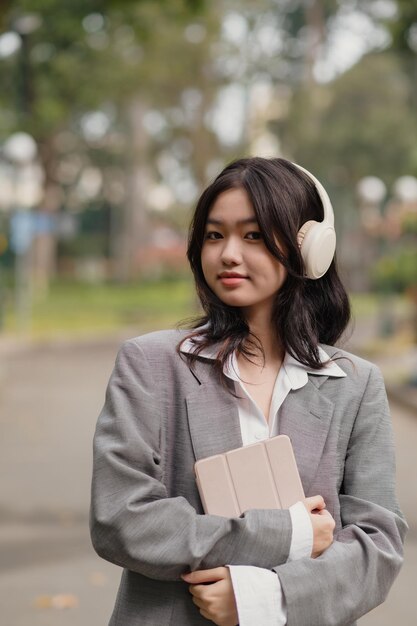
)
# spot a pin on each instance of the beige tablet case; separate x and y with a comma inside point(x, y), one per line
point(262, 475)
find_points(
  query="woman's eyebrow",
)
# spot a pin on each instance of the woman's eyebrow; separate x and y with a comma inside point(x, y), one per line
point(247, 220)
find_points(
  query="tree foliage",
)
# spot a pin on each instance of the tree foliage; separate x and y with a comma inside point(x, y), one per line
point(349, 130)
point(168, 61)
point(402, 27)
point(78, 55)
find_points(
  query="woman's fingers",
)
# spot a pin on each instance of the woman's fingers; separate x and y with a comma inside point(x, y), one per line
point(216, 601)
point(323, 526)
point(198, 601)
point(205, 576)
point(322, 522)
point(314, 502)
point(324, 512)
point(205, 614)
point(201, 605)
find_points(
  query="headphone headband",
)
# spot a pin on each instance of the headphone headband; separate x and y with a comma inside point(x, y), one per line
point(324, 196)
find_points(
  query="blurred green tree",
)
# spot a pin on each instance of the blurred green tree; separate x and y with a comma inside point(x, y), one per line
point(395, 271)
point(351, 131)
point(77, 59)
point(350, 125)
point(121, 93)
point(403, 27)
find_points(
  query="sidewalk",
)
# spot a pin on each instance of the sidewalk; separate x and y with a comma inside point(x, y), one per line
point(50, 396)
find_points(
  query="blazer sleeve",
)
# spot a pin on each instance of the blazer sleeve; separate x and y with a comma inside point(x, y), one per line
point(356, 572)
point(133, 522)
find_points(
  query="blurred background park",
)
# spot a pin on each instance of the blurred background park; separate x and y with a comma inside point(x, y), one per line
point(114, 114)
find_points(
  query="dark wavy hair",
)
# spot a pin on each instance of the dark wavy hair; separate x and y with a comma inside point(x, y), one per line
point(305, 312)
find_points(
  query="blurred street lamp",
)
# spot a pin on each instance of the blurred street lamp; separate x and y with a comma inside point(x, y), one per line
point(382, 217)
point(405, 188)
point(19, 152)
point(372, 193)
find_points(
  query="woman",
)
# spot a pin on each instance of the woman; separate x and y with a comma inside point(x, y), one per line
point(260, 362)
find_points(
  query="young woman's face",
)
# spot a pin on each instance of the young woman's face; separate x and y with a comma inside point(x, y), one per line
point(236, 264)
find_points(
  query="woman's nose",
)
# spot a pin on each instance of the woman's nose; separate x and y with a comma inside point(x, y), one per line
point(231, 252)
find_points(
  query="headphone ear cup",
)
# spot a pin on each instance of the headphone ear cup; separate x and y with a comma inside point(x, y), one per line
point(317, 241)
point(303, 231)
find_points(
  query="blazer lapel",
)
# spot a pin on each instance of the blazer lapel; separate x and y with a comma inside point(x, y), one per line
point(212, 416)
point(214, 420)
point(305, 417)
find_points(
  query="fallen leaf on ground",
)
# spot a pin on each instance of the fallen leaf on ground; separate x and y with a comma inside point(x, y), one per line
point(57, 601)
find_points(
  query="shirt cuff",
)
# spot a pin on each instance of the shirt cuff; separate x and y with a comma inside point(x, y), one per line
point(302, 533)
point(258, 595)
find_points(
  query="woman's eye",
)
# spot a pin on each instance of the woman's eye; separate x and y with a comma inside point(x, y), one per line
point(211, 235)
point(253, 235)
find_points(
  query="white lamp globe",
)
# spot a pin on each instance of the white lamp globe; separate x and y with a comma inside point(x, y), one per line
point(20, 148)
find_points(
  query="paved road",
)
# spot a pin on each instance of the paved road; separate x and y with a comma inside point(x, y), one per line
point(49, 400)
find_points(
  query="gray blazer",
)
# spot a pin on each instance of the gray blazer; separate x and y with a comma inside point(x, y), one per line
point(146, 514)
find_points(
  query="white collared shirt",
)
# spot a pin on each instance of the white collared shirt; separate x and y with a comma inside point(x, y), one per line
point(258, 591)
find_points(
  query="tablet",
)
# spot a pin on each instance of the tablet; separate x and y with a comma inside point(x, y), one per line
point(261, 475)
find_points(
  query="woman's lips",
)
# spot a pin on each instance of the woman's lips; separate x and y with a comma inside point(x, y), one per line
point(232, 280)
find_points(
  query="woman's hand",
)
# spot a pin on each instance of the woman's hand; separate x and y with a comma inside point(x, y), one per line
point(216, 600)
point(322, 522)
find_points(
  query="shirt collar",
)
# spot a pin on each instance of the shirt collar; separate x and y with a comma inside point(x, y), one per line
point(297, 372)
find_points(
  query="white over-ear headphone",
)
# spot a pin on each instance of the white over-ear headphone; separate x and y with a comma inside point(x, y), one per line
point(317, 240)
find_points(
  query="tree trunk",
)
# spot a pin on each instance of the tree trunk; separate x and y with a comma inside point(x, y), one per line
point(44, 247)
point(315, 21)
point(134, 233)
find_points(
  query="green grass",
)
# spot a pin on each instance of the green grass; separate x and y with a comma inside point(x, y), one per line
point(74, 308)
point(366, 305)
point(81, 309)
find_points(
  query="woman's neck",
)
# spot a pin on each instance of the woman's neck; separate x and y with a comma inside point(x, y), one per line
point(262, 328)
point(259, 373)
